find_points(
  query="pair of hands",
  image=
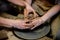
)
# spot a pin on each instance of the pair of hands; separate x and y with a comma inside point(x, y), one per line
point(21, 24)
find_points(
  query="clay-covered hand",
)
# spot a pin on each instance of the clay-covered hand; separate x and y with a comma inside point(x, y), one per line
point(28, 10)
point(21, 24)
point(36, 22)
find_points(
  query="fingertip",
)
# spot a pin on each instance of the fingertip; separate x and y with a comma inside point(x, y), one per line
point(32, 28)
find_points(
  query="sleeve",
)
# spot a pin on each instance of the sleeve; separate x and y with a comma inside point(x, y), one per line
point(3, 6)
point(57, 2)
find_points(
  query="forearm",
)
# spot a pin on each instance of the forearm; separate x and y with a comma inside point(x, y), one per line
point(29, 1)
point(8, 22)
point(54, 10)
point(18, 2)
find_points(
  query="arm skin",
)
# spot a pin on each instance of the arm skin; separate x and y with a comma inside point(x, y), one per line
point(54, 10)
point(18, 2)
point(47, 16)
point(20, 24)
point(29, 1)
point(8, 22)
point(17, 23)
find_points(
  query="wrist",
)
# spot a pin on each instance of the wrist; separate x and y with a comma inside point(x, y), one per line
point(7, 22)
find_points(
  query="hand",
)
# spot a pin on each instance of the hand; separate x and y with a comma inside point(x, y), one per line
point(21, 24)
point(36, 22)
point(29, 9)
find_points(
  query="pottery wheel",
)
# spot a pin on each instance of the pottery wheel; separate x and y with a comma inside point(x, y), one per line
point(39, 32)
point(35, 34)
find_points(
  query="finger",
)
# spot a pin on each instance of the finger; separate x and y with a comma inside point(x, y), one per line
point(29, 25)
point(26, 27)
point(28, 21)
point(34, 27)
point(23, 27)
